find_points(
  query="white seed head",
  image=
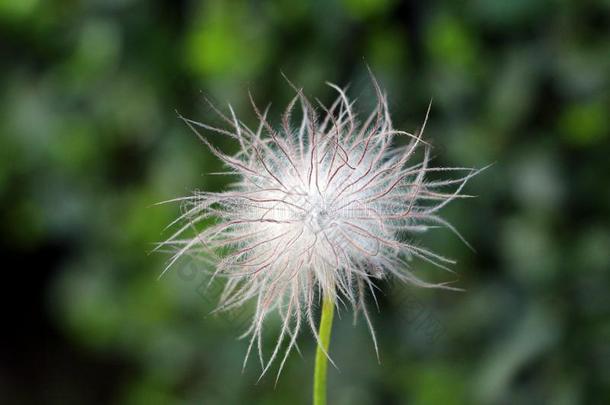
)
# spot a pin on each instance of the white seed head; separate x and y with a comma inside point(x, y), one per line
point(323, 207)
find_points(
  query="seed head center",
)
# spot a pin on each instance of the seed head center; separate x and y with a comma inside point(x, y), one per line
point(317, 218)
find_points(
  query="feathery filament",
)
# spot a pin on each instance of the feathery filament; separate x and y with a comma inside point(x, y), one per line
point(323, 208)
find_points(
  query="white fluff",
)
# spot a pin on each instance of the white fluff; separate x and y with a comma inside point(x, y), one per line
point(323, 208)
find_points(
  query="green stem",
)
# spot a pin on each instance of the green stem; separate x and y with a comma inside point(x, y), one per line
point(319, 376)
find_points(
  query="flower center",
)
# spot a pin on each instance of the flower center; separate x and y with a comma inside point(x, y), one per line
point(318, 218)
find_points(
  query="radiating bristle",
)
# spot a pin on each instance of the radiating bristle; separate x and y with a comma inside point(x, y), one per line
point(320, 208)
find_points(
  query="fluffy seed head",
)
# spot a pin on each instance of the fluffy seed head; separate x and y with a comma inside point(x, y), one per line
point(321, 207)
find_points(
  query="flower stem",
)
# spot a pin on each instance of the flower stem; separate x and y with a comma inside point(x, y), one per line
point(319, 376)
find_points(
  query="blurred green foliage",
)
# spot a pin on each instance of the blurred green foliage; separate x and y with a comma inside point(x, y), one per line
point(90, 141)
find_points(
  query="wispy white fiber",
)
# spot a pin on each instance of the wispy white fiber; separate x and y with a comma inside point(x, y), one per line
point(321, 207)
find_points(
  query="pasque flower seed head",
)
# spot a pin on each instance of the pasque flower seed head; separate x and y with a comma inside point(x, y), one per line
point(320, 208)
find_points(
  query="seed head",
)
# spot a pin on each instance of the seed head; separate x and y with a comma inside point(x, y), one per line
point(323, 207)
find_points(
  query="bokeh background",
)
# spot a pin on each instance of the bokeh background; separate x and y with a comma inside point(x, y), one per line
point(90, 140)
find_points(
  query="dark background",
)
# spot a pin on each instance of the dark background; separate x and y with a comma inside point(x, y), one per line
point(89, 141)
